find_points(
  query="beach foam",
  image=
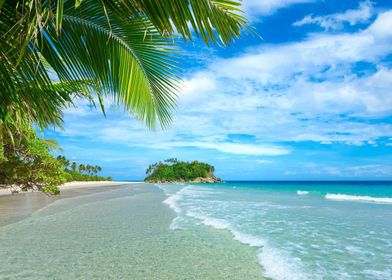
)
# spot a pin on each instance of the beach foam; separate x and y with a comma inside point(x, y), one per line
point(346, 197)
point(278, 266)
point(216, 223)
point(172, 202)
point(248, 239)
point(302, 192)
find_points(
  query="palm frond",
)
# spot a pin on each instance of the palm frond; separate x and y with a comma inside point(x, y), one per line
point(126, 59)
point(117, 48)
point(215, 21)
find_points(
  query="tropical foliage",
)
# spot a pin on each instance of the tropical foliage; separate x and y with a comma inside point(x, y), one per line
point(26, 163)
point(172, 170)
point(53, 51)
point(81, 172)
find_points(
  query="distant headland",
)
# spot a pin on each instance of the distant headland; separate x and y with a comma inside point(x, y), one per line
point(173, 170)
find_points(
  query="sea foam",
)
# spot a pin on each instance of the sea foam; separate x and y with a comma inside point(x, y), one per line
point(248, 239)
point(173, 202)
point(346, 197)
point(280, 267)
point(216, 223)
point(302, 192)
point(276, 264)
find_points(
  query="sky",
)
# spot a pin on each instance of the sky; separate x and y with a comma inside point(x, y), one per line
point(308, 99)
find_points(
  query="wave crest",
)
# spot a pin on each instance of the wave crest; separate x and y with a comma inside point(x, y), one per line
point(299, 192)
point(346, 197)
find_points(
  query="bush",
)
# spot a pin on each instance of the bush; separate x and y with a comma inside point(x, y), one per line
point(26, 161)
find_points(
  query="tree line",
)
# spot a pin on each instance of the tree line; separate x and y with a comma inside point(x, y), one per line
point(82, 168)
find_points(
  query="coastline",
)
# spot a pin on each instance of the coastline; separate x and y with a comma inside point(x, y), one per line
point(68, 186)
point(117, 233)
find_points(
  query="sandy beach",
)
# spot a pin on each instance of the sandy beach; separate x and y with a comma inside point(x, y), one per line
point(70, 186)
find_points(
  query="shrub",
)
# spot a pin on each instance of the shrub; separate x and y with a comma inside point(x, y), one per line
point(26, 161)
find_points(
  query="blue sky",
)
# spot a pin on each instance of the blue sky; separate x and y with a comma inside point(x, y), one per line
point(311, 100)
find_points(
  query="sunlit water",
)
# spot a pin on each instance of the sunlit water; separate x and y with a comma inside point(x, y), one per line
point(301, 230)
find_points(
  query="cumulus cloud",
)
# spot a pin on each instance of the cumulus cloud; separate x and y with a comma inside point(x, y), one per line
point(230, 148)
point(336, 21)
point(324, 55)
point(366, 170)
point(299, 91)
point(256, 8)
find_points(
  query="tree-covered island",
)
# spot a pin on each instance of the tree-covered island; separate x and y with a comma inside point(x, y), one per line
point(173, 170)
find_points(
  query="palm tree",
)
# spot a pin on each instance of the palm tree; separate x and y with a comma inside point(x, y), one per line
point(54, 51)
point(73, 166)
point(66, 163)
point(94, 170)
point(63, 161)
point(82, 168)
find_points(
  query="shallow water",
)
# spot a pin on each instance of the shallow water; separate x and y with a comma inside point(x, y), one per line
point(305, 230)
point(121, 233)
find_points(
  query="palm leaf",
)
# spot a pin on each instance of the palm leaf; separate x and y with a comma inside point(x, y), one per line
point(215, 21)
point(126, 59)
point(117, 47)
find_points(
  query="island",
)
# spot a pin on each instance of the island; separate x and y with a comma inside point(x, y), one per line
point(173, 170)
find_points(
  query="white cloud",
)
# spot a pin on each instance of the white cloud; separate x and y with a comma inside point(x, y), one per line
point(232, 148)
point(256, 8)
point(298, 91)
point(363, 14)
point(381, 28)
point(366, 170)
point(324, 55)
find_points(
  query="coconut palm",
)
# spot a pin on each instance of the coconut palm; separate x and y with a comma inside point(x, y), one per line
point(81, 168)
point(53, 51)
point(73, 166)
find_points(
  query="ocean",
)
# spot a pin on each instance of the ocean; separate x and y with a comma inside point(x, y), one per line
point(301, 230)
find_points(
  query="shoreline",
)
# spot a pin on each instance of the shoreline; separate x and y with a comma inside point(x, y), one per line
point(81, 184)
point(67, 186)
point(136, 224)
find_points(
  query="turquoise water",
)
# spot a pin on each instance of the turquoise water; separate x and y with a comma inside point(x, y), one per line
point(302, 230)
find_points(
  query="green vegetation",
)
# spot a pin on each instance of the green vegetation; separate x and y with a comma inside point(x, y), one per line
point(81, 172)
point(172, 170)
point(26, 162)
point(124, 49)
